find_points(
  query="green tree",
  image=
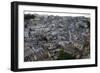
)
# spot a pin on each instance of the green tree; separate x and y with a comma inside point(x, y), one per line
point(63, 55)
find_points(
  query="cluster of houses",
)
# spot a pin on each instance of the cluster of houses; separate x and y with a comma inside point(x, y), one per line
point(46, 35)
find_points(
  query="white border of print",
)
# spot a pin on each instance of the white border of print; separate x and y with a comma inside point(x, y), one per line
point(22, 64)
